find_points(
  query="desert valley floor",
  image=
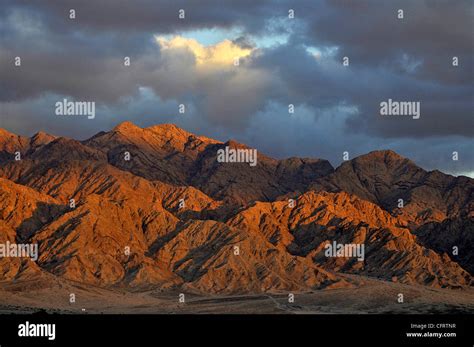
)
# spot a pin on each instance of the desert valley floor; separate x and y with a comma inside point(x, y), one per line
point(370, 297)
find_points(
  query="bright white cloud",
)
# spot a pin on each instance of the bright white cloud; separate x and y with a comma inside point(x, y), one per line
point(222, 53)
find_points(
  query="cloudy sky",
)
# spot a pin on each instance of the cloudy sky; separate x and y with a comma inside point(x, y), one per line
point(282, 61)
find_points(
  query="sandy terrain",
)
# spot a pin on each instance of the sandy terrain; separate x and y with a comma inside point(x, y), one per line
point(371, 296)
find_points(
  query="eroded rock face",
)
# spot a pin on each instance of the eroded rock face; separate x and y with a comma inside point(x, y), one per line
point(172, 216)
point(172, 155)
point(384, 177)
point(322, 218)
point(453, 236)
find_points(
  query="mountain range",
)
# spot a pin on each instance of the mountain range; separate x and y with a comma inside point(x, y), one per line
point(152, 208)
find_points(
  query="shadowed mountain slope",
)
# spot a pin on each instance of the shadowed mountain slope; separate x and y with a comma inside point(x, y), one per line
point(153, 208)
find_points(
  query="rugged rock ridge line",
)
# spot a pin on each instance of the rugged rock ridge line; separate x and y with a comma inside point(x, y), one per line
point(189, 221)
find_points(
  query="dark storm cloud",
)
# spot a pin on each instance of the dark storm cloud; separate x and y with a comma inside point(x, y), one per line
point(370, 33)
point(445, 109)
point(152, 15)
point(81, 71)
point(84, 58)
point(90, 67)
point(405, 60)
